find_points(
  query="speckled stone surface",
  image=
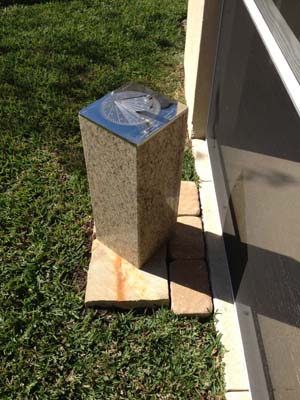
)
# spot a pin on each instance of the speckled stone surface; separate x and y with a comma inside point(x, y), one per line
point(114, 282)
point(134, 189)
point(159, 162)
point(112, 172)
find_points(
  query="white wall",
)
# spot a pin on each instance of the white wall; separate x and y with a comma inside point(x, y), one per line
point(201, 41)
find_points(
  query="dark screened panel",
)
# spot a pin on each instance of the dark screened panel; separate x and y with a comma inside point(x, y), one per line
point(283, 19)
point(254, 144)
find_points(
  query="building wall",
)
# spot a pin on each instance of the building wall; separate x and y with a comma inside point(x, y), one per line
point(201, 42)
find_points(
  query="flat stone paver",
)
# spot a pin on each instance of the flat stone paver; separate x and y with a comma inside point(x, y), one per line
point(114, 282)
point(187, 241)
point(190, 290)
point(188, 199)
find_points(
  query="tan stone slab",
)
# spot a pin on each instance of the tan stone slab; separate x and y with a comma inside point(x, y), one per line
point(188, 199)
point(114, 282)
point(190, 291)
point(238, 396)
point(187, 240)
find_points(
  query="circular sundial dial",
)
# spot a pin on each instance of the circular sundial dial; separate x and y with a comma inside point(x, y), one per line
point(130, 108)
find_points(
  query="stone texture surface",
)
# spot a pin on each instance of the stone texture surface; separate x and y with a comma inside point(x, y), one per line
point(188, 200)
point(134, 203)
point(190, 291)
point(111, 171)
point(187, 240)
point(159, 162)
point(114, 282)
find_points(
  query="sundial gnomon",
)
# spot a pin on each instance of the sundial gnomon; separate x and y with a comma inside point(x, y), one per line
point(130, 108)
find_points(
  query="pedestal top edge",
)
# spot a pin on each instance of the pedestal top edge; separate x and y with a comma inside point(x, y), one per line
point(133, 112)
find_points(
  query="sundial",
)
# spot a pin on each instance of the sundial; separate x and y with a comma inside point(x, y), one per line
point(132, 112)
point(130, 108)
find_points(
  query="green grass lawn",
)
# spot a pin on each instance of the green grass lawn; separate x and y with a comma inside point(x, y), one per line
point(55, 58)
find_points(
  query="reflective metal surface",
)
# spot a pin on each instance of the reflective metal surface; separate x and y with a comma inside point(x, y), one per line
point(254, 144)
point(132, 112)
point(129, 108)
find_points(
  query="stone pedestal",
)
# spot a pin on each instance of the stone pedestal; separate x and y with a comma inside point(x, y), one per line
point(133, 142)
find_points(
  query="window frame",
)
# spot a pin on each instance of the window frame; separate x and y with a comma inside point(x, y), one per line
point(280, 42)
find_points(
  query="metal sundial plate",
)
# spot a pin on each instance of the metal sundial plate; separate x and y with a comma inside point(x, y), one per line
point(130, 108)
point(131, 113)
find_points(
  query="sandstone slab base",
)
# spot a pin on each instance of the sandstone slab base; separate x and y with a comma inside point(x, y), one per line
point(190, 291)
point(114, 282)
point(188, 199)
point(187, 240)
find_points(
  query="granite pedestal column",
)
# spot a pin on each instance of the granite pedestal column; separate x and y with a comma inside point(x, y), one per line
point(133, 142)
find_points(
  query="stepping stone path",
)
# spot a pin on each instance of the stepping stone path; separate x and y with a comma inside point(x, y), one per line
point(114, 282)
point(188, 200)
